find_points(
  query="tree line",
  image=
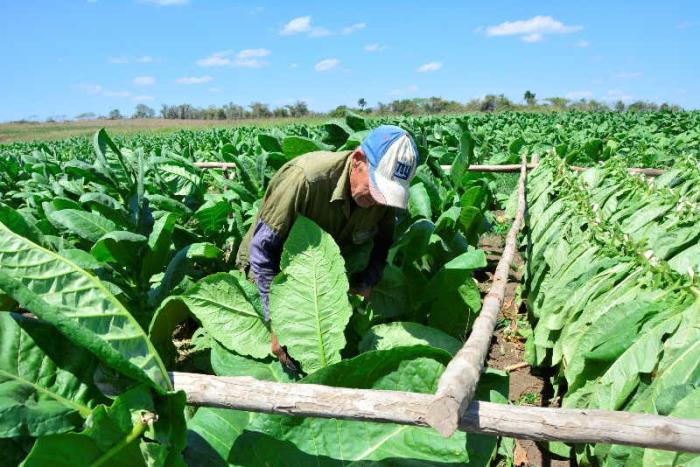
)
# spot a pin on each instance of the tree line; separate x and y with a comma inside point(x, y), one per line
point(414, 106)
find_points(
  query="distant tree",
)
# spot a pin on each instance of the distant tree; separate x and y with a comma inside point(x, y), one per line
point(298, 109)
point(339, 111)
point(143, 111)
point(558, 102)
point(85, 116)
point(115, 114)
point(259, 110)
point(619, 106)
point(361, 103)
point(530, 97)
point(281, 112)
point(233, 111)
point(488, 104)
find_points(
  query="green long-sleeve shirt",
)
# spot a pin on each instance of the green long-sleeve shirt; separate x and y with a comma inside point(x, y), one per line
point(317, 185)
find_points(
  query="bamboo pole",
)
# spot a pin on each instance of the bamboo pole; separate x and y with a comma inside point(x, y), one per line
point(406, 408)
point(505, 168)
point(458, 382)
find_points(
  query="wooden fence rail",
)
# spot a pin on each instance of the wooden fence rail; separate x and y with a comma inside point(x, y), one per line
point(407, 408)
point(472, 168)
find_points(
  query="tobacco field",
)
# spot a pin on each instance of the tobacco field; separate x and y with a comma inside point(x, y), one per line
point(117, 266)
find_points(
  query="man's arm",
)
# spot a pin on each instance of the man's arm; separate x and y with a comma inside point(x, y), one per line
point(264, 257)
point(284, 199)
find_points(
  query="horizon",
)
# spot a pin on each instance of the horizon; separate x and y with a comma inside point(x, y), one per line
point(332, 55)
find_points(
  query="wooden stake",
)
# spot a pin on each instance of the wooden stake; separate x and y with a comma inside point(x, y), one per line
point(457, 384)
point(406, 408)
point(516, 366)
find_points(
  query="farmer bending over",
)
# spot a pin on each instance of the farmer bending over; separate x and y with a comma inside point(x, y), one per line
point(350, 195)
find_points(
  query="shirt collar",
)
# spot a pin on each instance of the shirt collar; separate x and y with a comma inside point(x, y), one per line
point(342, 189)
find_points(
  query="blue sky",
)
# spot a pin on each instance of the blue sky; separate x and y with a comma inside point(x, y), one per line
point(65, 57)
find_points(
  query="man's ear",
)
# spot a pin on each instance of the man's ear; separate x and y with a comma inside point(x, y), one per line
point(358, 156)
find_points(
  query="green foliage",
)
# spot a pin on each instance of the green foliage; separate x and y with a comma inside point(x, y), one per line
point(612, 310)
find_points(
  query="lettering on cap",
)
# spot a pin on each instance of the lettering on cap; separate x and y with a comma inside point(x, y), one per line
point(402, 170)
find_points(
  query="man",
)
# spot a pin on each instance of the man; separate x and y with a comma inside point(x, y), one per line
point(350, 195)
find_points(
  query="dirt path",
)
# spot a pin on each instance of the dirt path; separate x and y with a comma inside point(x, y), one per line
point(507, 351)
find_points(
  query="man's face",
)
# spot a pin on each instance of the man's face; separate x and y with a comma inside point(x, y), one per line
point(359, 180)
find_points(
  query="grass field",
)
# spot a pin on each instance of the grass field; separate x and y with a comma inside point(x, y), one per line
point(33, 131)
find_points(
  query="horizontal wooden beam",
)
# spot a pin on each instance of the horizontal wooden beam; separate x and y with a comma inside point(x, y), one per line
point(505, 168)
point(406, 408)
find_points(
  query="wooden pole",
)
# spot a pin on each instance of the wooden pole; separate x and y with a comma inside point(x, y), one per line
point(505, 168)
point(406, 408)
point(458, 382)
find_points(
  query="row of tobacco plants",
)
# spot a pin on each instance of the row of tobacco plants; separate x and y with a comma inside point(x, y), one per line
point(106, 253)
point(611, 287)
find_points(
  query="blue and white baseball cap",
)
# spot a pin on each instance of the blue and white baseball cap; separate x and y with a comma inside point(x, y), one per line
point(392, 157)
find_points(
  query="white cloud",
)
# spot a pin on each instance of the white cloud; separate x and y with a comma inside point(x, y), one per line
point(116, 93)
point(375, 47)
point(353, 27)
point(533, 37)
point(250, 53)
point(628, 75)
point(89, 88)
point(293, 65)
point(166, 2)
point(194, 79)
point(583, 43)
point(327, 64)
point(685, 24)
point(145, 59)
point(296, 26)
point(144, 81)
point(431, 66)
point(302, 24)
point(530, 30)
point(402, 91)
point(142, 98)
point(118, 60)
point(215, 89)
point(576, 95)
point(247, 58)
point(216, 59)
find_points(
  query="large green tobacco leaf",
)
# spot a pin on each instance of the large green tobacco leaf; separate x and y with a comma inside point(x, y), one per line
point(125, 434)
point(454, 273)
point(294, 146)
point(278, 440)
point(308, 300)
point(211, 434)
point(687, 407)
point(226, 363)
point(45, 381)
point(221, 305)
point(79, 306)
point(86, 225)
point(398, 334)
point(120, 247)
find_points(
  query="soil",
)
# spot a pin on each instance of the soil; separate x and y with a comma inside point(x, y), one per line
point(507, 353)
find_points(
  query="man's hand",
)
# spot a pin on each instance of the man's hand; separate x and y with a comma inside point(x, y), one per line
point(363, 291)
point(281, 353)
